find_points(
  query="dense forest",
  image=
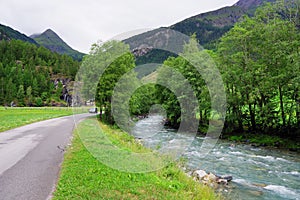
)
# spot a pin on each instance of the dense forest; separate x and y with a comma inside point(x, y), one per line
point(259, 61)
point(31, 75)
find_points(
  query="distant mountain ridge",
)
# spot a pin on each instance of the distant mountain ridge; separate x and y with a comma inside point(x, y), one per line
point(249, 4)
point(7, 33)
point(48, 39)
point(209, 28)
point(52, 41)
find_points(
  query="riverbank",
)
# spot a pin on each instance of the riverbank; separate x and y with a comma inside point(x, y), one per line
point(263, 140)
point(84, 177)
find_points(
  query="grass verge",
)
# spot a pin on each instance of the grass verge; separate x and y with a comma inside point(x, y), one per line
point(18, 116)
point(84, 177)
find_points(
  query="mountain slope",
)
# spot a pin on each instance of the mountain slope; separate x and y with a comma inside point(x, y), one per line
point(209, 27)
point(52, 41)
point(7, 33)
point(250, 4)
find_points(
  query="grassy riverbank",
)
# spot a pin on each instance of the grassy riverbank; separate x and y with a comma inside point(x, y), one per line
point(84, 177)
point(263, 140)
point(18, 116)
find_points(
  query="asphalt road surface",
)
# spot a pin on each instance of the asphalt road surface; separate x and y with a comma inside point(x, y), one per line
point(30, 158)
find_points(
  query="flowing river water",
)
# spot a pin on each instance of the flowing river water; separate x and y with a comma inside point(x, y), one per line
point(258, 173)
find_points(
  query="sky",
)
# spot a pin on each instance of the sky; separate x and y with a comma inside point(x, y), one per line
point(81, 23)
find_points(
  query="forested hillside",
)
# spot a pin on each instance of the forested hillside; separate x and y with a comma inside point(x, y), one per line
point(7, 33)
point(31, 75)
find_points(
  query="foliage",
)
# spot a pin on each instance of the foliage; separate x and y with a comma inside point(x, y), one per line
point(259, 60)
point(26, 72)
point(142, 100)
point(93, 66)
point(171, 100)
point(107, 72)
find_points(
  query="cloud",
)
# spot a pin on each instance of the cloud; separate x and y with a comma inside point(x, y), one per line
point(81, 23)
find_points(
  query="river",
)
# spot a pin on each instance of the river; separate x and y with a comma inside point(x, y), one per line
point(258, 173)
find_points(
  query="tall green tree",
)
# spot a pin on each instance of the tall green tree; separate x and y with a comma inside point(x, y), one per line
point(108, 81)
point(257, 58)
point(100, 72)
point(186, 71)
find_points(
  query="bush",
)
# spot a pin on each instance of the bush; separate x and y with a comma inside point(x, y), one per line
point(38, 101)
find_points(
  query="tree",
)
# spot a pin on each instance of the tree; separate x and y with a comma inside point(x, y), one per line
point(59, 90)
point(29, 97)
point(100, 72)
point(21, 95)
point(257, 59)
point(108, 81)
point(181, 74)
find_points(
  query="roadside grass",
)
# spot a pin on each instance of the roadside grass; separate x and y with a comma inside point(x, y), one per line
point(84, 177)
point(18, 116)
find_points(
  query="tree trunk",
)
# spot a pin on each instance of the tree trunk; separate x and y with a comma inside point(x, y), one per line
point(297, 100)
point(240, 120)
point(100, 116)
point(282, 106)
point(201, 116)
point(252, 117)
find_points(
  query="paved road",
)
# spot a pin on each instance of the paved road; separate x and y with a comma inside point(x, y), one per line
point(30, 158)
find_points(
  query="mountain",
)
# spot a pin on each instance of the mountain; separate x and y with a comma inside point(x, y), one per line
point(209, 28)
point(250, 4)
point(48, 39)
point(7, 33)
point(52, 41)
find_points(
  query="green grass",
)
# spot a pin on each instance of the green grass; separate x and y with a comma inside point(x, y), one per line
point(15, 117)
point(265, 140)
point(84, 177)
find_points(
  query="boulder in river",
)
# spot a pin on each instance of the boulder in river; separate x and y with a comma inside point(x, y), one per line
point(210, 179)
point(261, 185)
point(199, 174)
point(228, 178)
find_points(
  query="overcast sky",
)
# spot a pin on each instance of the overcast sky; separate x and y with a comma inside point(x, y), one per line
point(81, 23)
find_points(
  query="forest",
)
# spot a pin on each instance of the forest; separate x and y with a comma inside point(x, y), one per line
point(31, 75)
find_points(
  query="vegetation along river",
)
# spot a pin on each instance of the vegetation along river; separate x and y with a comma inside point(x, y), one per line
point(258, 173)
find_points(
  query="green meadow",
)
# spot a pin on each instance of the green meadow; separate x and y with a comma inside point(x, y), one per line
point(15, 117)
